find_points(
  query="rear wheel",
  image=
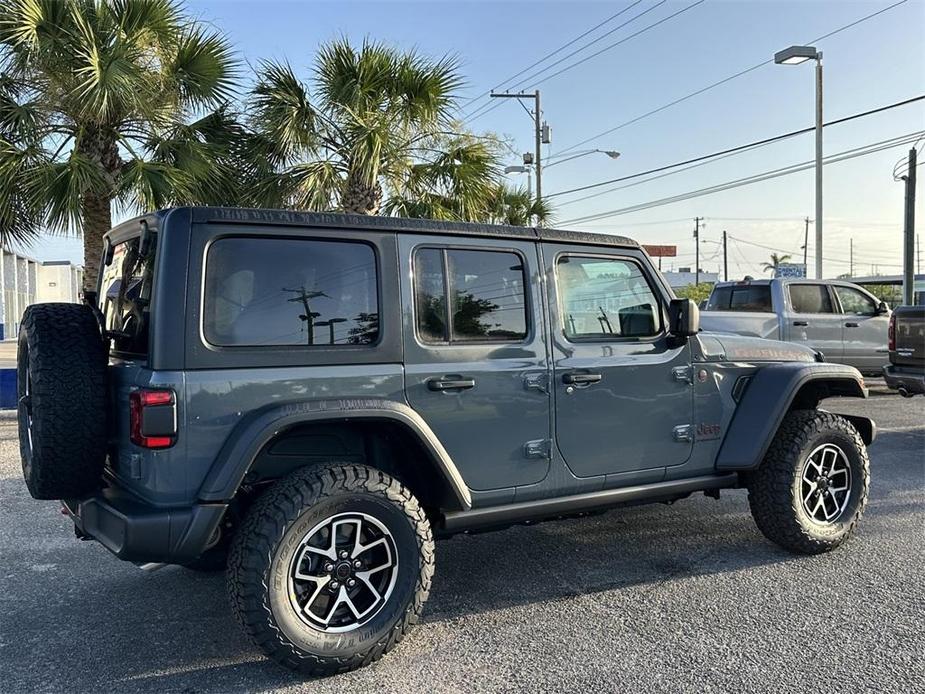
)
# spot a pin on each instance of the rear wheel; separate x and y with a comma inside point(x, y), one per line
point(61, 379)
point(331, 568)
point(810, 490)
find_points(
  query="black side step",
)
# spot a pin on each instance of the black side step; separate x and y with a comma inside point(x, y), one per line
point(577, 503)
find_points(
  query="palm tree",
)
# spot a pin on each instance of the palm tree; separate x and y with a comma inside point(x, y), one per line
point(517, 207)
point(776, 262)
point(109, 101)
point(374, 134)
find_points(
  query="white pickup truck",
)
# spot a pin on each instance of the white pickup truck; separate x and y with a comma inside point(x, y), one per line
point(843, 321)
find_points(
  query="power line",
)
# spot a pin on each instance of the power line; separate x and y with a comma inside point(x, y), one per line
point(739, 148)
point(864, 150)
point(724, 80)
point(595, 54)
point(558, 50)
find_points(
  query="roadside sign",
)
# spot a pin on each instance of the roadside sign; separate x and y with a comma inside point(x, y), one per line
point(791, 270)
point(661, 251)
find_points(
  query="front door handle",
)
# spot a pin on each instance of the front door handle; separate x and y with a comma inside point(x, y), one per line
point(801, 323)
point(450, 383)
point(581, 379)
point(851, 325)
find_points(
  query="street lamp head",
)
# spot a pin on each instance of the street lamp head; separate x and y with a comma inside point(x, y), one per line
point(515, 169)
point(796, 55)
point(611, 153)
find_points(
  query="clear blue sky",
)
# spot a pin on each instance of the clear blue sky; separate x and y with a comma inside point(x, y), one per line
point(875, 63)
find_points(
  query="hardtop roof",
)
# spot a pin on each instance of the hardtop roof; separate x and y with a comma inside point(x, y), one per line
point(240, 215)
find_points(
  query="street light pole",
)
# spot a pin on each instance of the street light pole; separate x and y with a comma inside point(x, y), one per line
point(819, 165)
point(794, 55)
point(538, 134)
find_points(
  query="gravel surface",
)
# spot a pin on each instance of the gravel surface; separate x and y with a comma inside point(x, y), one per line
point(679, 598)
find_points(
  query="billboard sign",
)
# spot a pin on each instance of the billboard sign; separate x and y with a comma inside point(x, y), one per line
point(797, 270)
point(661, 251)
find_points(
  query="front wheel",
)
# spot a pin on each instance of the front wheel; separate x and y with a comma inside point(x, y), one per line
point(810, 490)
point(331, 567)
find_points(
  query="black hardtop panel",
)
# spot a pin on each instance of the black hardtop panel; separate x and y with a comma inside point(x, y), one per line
point(239, 215)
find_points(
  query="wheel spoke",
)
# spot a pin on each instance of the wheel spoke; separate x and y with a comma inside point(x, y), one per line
point(320, 583)
point(359, 549)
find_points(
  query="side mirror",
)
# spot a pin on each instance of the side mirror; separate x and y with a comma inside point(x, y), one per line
point(882, 308)
point(683, 318)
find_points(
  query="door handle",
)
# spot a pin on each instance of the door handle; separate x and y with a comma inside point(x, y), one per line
point(455, 383)
point(801, 323)
point(581, 379)
point(851, 325)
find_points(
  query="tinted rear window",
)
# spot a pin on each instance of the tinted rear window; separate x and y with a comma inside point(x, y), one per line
point(265, 291)
point(751, 297)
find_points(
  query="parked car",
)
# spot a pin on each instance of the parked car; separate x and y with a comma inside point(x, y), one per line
point(843, 321)
point(309, 400)
point(906, 370)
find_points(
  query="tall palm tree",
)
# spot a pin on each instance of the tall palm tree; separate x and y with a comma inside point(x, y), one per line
point(776, 261)
point(105, 101)
point(517, 207)
point(373, 134)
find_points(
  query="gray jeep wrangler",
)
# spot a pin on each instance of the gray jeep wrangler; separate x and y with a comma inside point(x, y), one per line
point(309, 400)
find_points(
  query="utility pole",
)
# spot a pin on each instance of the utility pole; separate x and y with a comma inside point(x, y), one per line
point(806, 248)
point(819, 165)
point(918, 254)
point(697, 251)
point(725, 259)
point(851, 257)
point(539, 128)
point(909, 231)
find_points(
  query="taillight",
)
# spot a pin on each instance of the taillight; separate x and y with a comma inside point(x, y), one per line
point(891, 334)
point(153, 418)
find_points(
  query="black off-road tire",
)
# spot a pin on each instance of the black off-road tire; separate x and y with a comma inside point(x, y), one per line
point(61, 381)
point(774, 488)
point(263, 545)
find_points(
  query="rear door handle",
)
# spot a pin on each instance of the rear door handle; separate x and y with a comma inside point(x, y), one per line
point(851, 325)
point(801, 323)
point(450, 383)
point(580, 379)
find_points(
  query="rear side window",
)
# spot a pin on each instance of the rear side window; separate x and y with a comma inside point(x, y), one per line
point(273, 291)
point(810, 298)
point(605, 299)
point(753, 297)
point(469, 296)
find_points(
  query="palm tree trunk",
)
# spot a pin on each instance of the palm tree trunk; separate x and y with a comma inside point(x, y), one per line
point(360, 198)
point(96, 214)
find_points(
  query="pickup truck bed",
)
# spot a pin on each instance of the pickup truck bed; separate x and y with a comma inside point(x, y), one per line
point(906, 370)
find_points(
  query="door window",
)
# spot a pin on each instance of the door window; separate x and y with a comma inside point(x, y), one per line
point(606, 299)
point(810, 298)
point(469, 296)
point(755, 297)
point(274, 291)
point(854, 303)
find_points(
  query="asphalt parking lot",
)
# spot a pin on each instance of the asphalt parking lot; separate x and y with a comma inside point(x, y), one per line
point(688, 597)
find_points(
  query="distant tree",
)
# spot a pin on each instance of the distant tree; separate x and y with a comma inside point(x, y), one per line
point(516, 207)
point(696, 292)
point(776, 261)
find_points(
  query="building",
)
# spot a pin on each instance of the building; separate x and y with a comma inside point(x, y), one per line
point(27, 281)
point(684, 277)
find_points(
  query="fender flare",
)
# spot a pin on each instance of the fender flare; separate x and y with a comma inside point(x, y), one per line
point(253, 433)
point(767, 399)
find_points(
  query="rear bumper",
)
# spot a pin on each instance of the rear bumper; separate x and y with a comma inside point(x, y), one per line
point(904, 378)
point(136, 531)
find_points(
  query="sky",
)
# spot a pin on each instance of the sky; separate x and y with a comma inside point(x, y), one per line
point(875, 63)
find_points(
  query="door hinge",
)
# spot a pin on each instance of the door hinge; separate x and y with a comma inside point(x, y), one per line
point(683, 433)
point(537, 381)
point(683, 374)
point(538, 448)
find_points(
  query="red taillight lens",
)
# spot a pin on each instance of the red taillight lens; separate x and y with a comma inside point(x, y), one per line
point(891, 334)
point(153, 418)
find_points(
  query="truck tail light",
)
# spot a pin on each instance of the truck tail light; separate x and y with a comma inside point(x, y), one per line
point(891, 334)
point(153, 418)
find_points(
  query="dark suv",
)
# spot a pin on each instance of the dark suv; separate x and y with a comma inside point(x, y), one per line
point(308, 400)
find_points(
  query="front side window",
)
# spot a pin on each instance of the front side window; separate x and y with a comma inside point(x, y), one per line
point(810, 298)
point(606, 298)
point(469, 296)
point(855, 303)
point(273, 291)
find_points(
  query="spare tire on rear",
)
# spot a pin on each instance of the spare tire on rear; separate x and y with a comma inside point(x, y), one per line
point(61, 379)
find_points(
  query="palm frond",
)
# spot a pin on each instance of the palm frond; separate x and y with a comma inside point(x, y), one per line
point(282, 113)
point(202, 69)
